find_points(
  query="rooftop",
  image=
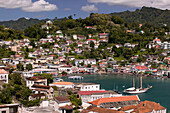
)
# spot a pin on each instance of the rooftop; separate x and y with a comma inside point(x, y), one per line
point(34, 78)
point(63, 83)
point(91, 92)
point(148, 106)
point(62, 99)
point(41, 86)
point(2, 71)
point(100, 110)
point(114, 99)
point(37, 95)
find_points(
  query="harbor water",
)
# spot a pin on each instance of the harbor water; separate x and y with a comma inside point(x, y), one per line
point(160, 91)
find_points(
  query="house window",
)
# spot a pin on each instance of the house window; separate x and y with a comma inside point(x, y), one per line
point(3, 111)
point(96, 86)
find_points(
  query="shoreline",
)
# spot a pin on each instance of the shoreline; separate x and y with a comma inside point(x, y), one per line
point(110, 73)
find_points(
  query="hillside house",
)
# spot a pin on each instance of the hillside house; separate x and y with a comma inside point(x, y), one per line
point(62, 105)
point(3, 76)
point(35, 80)
point(47, 90)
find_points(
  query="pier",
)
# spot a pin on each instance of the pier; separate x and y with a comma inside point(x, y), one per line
point(75, 77)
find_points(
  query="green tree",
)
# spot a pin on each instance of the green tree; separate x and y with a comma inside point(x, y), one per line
point(16, 79)
point(29, 67)
point(20, 67)
point(49, 77)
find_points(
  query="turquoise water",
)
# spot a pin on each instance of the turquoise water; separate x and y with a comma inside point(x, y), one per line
point(159, 93)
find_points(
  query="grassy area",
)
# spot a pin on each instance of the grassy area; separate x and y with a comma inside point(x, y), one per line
point(141, 53)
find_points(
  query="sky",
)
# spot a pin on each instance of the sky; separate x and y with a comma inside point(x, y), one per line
point(15, 9)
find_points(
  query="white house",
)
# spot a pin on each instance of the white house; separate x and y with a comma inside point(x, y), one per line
point(75, 37)
point(165, 45)
point(127, 45)
point(88, 96)
point(104, 35)
point(90, 61)
point(28, 74)
point(3, 76)
point(65, 69)
point(118, 45)
point(156, 40)
point(9, 108)
point(47, 90)
point(62, 104)
point(36, 80)
point(90, 40)
point(88, 86)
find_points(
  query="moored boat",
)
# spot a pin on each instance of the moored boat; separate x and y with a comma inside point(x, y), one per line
point(134, 90)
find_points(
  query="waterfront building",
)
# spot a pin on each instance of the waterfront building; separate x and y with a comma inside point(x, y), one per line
point(144, 107)
point(116, 102)
point(138, 68)
point(88, 96)
point(92, 109)
point(88, 86)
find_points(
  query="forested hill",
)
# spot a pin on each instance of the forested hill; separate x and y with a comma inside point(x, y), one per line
point(146, 14)
point(20, 24)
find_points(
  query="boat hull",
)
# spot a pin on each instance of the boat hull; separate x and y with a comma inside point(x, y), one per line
point(137, 91)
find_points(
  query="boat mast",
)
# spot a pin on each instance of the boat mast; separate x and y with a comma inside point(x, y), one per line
point(133, 81)
point(141, 82)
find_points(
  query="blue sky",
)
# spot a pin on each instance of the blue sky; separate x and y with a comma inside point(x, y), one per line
point(14, 9)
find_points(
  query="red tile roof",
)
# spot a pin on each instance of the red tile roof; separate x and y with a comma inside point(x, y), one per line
point(100, 110)
point(67, 107)
point(34, 78)
point(90, 92)
point(63, 83)
point(141, 67)
point(37, 95)
point(41, 86)
point(114, 99)
point(157, 40)
point(148, 106)
point(62, 99)
point(90, 39)
point(2, 71)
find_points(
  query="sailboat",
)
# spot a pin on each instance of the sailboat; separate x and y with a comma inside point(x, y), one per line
point(134, 90)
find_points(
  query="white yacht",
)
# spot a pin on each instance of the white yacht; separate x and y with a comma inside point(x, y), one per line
point(134, 90)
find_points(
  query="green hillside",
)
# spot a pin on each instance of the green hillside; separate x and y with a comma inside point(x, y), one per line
point(146, 14)
point(20, 24)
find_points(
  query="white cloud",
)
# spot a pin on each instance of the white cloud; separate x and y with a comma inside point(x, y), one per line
point(89, 8)
point(28, 5)
point(39, 6)
point(14, 3)
point(162, 4)
point(67, 9)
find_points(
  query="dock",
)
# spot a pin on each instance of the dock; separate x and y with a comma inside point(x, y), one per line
point(75, 77)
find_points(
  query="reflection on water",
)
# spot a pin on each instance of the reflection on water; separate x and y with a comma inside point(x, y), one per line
point(160, 92)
